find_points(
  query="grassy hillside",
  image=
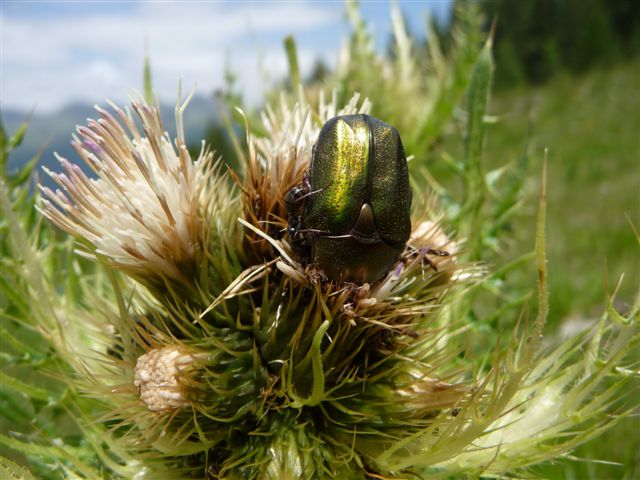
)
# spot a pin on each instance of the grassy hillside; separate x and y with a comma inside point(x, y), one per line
point(591, 127)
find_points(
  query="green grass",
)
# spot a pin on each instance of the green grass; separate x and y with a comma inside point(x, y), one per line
point(591, 127)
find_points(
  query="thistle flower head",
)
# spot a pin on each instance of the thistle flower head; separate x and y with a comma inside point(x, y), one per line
point(141, 207)
point(277, 161)
point(235, 356)
point(264, 368)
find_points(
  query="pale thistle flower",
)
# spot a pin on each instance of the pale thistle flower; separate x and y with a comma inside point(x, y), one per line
point(142, 211)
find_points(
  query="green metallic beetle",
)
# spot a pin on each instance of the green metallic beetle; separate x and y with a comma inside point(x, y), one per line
point(351, 215)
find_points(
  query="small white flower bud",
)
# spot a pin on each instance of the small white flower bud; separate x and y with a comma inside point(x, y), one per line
point(157, 377)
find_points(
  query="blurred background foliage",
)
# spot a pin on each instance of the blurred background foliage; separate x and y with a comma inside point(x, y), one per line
point(566, 78)
point(537, 40)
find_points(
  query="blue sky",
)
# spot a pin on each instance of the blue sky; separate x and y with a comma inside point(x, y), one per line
point(53, 53)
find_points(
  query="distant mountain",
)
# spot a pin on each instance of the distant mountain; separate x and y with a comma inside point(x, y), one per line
point(53, 131)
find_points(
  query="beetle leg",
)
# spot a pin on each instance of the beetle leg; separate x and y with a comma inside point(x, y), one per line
point(431, 251)
point(307, 187)
point(430, 262)
point(306, 180)
point(360, 238)
point(314, 232)
point(308, 194)
point(439, 253)
point(335, 237)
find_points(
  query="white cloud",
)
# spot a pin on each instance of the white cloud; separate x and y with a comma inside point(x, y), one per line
point(104, 70)
point(50, 61)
